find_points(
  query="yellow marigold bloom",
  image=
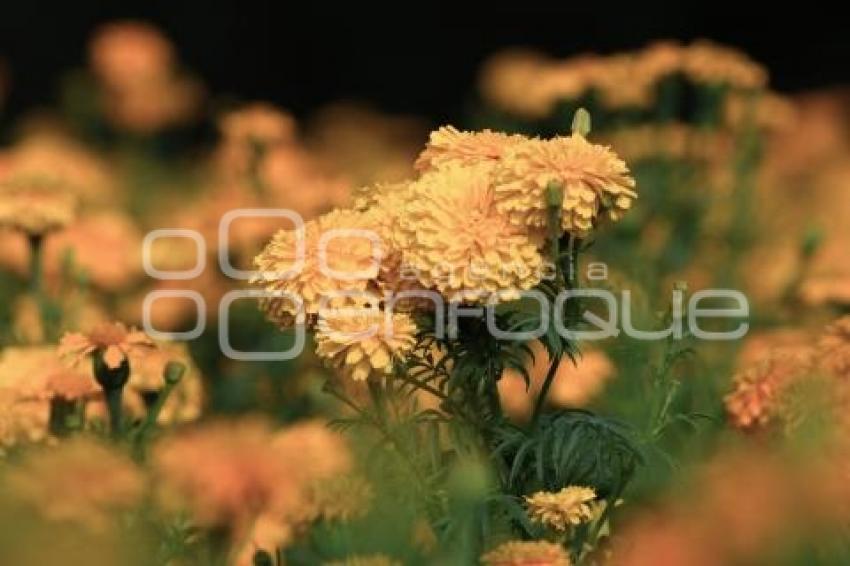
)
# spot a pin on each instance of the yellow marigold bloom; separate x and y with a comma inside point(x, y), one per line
point(527, 553)
point(79, 481)
point(370, 560)
point(833, 350)
point(593, 179)
point(257, 123)
point(351, 261)
point(707, 62)
point(363, 342)
point(113, 339)
point(561, 510)
point(34, 206)
point(459, 242)
point(450, 145)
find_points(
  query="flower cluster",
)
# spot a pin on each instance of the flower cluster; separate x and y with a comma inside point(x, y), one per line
point(471, 228)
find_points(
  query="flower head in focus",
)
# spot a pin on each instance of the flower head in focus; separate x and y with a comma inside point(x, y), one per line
point(112, 339)
point(450, 145)
point(80, 481)
point(527, 553)
point(594, 181)
point(561, 510)
point(339, 256)
point(459, 242)
point(364, 342)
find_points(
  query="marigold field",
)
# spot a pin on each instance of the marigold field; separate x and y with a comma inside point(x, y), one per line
point(603, 318)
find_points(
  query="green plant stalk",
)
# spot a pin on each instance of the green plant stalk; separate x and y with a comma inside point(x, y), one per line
point(115, 409)
point(36, 242)
point(172, 375)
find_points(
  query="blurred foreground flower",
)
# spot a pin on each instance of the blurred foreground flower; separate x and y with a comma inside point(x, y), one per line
point(79, 481)
point(527, 553)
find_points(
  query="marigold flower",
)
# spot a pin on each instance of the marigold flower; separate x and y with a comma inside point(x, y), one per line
point(450, 145)
point(51, 156)
point(80, 481)
point(230, 474)
point(593, 179)
point(525, 83)
point(184, 403)
point(758, 395)
point(458, 241)
point(113, 339)
point(363, 342)
point(71, 385)
point(34, 206)
point(527, 553)
point(707, 62)
point(259, 123)
point(106, 247)
point(349, 263)
point(130, 53)
point(561, 510)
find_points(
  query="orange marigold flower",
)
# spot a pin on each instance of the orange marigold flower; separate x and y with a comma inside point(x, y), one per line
point(79, 481)
point(593, 179)
point(527, 553)
point(363, 342)
point(758, 395)
point(707, 62)
point(450, 145)
point(34, 206)
point(349, 263)
point(113, 339)
point(458, 242)
point(257, 123)
point(71, 385)
point(230, 474)
point(126, 54)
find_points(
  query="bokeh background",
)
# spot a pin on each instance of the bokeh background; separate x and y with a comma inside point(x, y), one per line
point(421, 58)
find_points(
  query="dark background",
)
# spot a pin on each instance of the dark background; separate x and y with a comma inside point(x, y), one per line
point(416, 57)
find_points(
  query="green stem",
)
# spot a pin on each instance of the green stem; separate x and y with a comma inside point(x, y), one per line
point(544, 391)
point(36, 242)
point(115, 409)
